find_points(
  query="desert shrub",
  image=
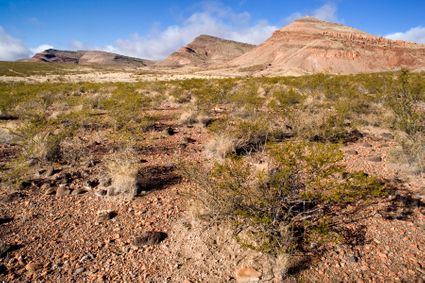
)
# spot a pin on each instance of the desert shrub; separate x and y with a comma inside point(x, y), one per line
point(288, 98)
point(321, 125)
point(247, 135)
point(402, 102)
point(278, 209)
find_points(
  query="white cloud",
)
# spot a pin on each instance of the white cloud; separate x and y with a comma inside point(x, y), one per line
point(416, 34)
point(40, 48)
point(11, 48)
point(210, 20)
point(78, 45)
point(327, 12)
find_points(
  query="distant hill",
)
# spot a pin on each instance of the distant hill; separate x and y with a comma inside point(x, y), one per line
point(87, 58)
point(206, 50)
point(309, 45)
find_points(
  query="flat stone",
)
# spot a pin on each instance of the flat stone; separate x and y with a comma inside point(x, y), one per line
point(376, 158)
point(247, 275)
point(33, 266)
point(79, 191)
point(62, 191)
point(80, 270)
point(351, 152)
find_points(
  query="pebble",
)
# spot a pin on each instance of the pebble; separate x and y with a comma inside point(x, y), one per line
point(62, 191)
point(80, 270)
point(79, 191)
point(32, 266)
point(247, 275)
point(376, 158)
point(351, 152)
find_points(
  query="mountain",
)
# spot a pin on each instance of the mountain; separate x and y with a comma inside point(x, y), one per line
point(87, 58)
point(206, 50)
point(309, 45)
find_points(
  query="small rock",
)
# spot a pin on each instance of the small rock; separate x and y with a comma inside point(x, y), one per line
point(50, 191)
point(33, 266)
point(105, 215)
point(365, 144)
point(351, 152)
point(62, 191)
point(376, 158)
point(247, 275)
point(79, 191)
point(188, 140)
point(171, 131)
point(101, 193)
point(80, 270)
point(353, 259)
point(149, 238)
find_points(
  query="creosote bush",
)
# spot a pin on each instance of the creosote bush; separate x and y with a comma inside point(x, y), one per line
point(282, 206)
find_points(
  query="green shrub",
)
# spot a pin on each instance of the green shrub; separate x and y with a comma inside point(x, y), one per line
point(402, 102)
point(279, 208)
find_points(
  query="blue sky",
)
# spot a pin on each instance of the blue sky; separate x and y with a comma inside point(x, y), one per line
point(153, 29)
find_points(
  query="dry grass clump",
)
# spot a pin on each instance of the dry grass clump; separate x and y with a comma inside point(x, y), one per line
point(122, 168)
point(194, 116)
point(219, 147)
point(411, 152)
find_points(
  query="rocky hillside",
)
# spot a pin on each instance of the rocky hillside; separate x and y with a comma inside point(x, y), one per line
point(309, 45)
point(206, 50)
point(87, 58)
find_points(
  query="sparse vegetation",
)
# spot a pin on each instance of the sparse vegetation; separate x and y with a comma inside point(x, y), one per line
point(276, 170)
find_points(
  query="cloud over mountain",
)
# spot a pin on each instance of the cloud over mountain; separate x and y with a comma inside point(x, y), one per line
point(416, 34)
point(222, 23)
point(12, 48)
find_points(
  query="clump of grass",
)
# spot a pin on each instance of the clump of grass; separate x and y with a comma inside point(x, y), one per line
point(122, 168)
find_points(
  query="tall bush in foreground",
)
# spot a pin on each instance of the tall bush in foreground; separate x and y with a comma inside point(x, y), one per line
point(281, 208)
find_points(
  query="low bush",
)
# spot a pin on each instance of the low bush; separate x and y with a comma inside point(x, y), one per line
point(278, 209)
